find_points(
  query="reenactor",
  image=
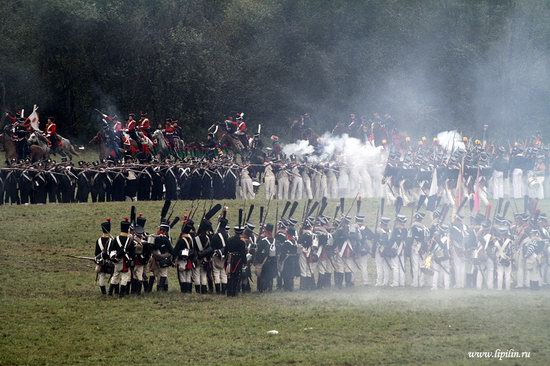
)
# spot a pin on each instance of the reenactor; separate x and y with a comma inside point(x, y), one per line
point(218, 242)
point(236, 258)
point(104, 266)
point(116, 255)
point(441, 257)
point(360, 236)
point(162, 254)
point(125, 241)
point(417, 240)
point(203, 250)
point(142, 255)
point(265, 261)
point(184, 254)
point(289, 260)
point(503, 258)
point(398, 239)
point(51, 134)
point(382, 241)
point(305, 248)
point(457, 235)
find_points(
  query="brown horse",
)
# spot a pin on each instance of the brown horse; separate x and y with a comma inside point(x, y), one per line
point(104, 150)
point(9, 145)
point(225, 140)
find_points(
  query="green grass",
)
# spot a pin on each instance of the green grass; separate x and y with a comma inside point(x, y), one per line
point(52, 312)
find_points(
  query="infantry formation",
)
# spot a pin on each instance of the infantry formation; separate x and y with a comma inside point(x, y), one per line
point(332, 166)
point(336, 251)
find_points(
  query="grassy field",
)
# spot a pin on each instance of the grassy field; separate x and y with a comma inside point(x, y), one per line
point(52, 312)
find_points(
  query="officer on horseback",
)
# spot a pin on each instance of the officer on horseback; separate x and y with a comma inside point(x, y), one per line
point(51, 134)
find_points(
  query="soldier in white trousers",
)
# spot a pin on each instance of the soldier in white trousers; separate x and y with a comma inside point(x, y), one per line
point(306, 181)
point(382, 263)
point(283, 184)
point(296, 185)
point(441, 262)
point(418, 234)
point(503, 255)
point(269, 179)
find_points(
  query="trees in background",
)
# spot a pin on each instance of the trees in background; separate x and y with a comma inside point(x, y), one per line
point(432, 64)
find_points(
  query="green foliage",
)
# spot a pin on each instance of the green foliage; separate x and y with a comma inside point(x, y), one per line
point(433, 64)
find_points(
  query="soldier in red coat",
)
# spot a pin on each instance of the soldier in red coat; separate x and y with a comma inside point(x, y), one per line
point(145, 124)
point(51, 134)
point(131, 128)
point(241, 129)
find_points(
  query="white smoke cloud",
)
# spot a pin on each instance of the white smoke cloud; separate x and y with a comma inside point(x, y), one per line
point(299, 148)
point(450, 141)
point(339, 149)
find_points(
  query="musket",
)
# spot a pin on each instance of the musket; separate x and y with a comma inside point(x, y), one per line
point(276, 217)
point(172, 210)
point(349, 209)
point(93, 259)
point(264, 216)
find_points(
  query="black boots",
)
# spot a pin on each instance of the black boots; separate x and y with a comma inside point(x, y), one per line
point(325, 280)
point(103, 290)
point(218, 288)
point(151, 283)
point(122, 291)
point(224, 288)
point(349, 282)
point(338, 279)
point(307, 283)
point(162, 285)
point(201, 289)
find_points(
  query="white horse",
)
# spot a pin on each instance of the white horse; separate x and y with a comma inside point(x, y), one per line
point(39, 147)
point(163, 148)
point(65, 148)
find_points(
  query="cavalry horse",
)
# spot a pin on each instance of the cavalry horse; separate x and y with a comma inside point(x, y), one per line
point(65, 147)
point(163, 148)
point(105, 151)
point(39, 147)
point(9, 145)
point(227, 141)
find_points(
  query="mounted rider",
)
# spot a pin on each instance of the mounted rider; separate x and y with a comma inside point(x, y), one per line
point(241, 130)
point(19, 136)
point(131, 128)
point(169, 132)
point(144, 124)
point(211, 146)
point(51, 134)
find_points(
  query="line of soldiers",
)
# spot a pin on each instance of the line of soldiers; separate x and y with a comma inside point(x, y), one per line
point(204, 257)
point(104, 182)
point(324, 252)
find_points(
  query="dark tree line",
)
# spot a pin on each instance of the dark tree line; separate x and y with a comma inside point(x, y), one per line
point(432, 64)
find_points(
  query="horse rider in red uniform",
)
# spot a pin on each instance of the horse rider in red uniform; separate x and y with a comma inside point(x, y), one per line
point(241, 130)
point(144, 124)
point(51, 134)
point(131, 129)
